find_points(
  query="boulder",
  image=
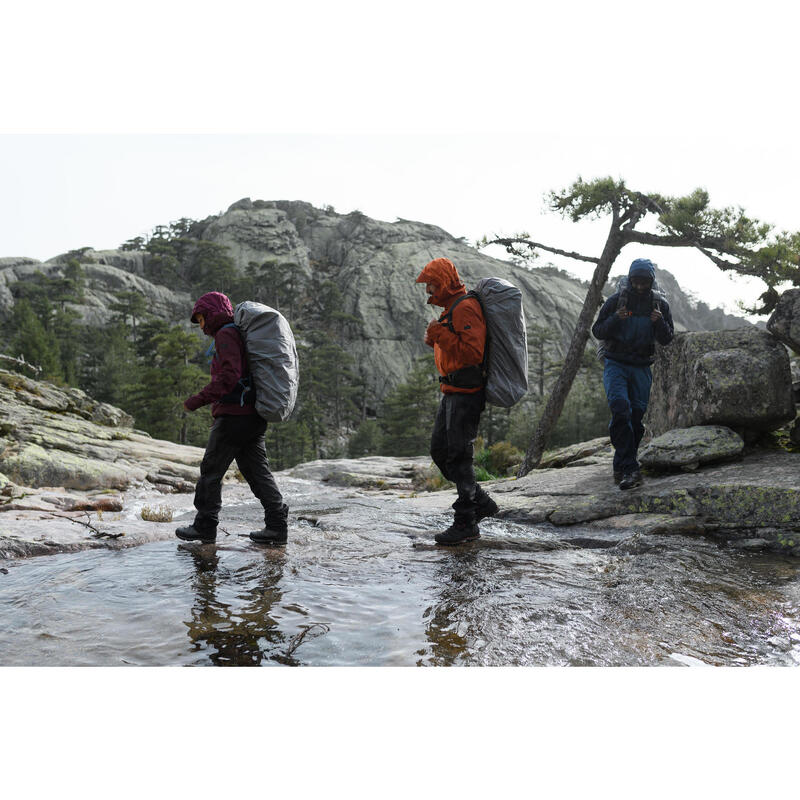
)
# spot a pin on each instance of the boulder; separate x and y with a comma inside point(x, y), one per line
point(784, 324)
point(737, 378)
point(690, 447)
point(377, 472)
point(566, 456)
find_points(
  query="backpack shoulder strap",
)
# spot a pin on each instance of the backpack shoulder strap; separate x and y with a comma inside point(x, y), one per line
point(447, 319)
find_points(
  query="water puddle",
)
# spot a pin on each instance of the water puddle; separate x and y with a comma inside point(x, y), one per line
point(363, 584)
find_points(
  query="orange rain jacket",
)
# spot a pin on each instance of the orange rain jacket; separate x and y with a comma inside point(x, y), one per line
point(462, 347)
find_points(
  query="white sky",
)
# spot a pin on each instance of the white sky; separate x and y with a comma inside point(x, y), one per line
point(458, 114)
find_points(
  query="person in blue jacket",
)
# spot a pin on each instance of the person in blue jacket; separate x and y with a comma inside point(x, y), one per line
point(631, 322)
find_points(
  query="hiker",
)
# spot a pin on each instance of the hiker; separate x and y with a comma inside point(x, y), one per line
point(458, 339)
point(237, 432)
point(630, 322)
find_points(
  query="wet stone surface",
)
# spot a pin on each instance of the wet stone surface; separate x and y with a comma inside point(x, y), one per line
point(362, 583)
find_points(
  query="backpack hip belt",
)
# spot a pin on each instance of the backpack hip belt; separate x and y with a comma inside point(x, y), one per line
point(470, 377)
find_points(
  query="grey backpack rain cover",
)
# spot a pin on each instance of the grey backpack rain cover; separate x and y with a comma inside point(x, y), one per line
point(272, 356)
point(506, 358)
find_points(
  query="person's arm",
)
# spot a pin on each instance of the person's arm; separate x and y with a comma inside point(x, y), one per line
point(228, 345)
point(466, 344)
point(608, 321)
point(663, 328)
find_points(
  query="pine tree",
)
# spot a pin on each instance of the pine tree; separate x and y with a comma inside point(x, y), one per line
point(34, 343)
point(409, 411)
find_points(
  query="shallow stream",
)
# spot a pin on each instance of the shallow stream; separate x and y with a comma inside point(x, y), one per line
point(361, 583)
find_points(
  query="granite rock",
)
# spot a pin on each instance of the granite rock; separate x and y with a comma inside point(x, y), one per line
point(690, 447)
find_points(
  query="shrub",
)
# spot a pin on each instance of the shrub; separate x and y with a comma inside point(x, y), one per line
point(157, 514)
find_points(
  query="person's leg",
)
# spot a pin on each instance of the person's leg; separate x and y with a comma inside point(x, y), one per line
point(615, 381)
point(439, 438)
point(220, 452)
point(640, 383)
point(463, 417)
point(254, 466)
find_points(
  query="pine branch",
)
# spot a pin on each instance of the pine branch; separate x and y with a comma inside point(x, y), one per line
point(511, 242)
point(688, 241)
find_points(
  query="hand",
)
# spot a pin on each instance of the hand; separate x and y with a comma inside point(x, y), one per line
point(431, 325)
point(656, 315)
point(185, 406)
point(623, 313)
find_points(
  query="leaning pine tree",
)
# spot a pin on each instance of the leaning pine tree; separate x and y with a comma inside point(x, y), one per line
point(727, 236)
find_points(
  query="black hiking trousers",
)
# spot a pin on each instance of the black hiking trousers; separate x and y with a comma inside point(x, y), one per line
point(240, 438)
point(452, 449)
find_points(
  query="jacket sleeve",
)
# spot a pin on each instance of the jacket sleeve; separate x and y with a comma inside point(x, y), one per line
point(467, 343)
point(664, 329)
point(226, 373)
point(608, 322)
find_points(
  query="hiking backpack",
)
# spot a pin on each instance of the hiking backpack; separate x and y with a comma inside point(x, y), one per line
point(505, 357)
point(623, 287)
point(272, 356)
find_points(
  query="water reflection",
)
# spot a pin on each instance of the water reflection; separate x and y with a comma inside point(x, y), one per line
point(236, 629)
point(445, 627)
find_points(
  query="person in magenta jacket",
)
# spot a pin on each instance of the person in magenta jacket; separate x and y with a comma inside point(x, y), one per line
point(236, 434)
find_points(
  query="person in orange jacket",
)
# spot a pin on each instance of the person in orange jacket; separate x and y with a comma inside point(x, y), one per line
point(458, 339)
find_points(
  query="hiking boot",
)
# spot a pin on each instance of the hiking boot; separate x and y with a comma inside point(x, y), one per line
point(630, 480)
point(458, 533)
point(617, 476)
point(273, 534)
point(191, 534)
point(487, 508)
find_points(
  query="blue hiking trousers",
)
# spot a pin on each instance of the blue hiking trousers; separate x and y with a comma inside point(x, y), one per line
point(628, 391)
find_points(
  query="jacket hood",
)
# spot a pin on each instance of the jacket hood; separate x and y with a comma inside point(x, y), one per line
point(643, 268)
point(217, 310)
point(443, 273)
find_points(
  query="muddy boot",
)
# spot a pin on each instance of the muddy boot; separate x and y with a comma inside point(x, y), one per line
point(617, 476)
point(631, 480)
point(457, 533)
point(276, 528)
point(191, 534)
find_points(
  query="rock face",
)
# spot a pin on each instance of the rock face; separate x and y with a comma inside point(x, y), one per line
point(688, 448)
point(784, 324)
point(374, 265)
point(61, 437)
point(737, 378)
point(106, 273)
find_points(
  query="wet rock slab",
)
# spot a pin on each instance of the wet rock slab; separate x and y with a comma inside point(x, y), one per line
point(689, 447)
point(755, 499)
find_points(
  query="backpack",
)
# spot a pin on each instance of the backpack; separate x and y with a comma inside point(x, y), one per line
point(504, 370)
point(272, 356)
point(657, 295)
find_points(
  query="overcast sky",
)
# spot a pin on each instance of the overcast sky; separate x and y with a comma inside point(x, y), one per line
point(435, 112)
